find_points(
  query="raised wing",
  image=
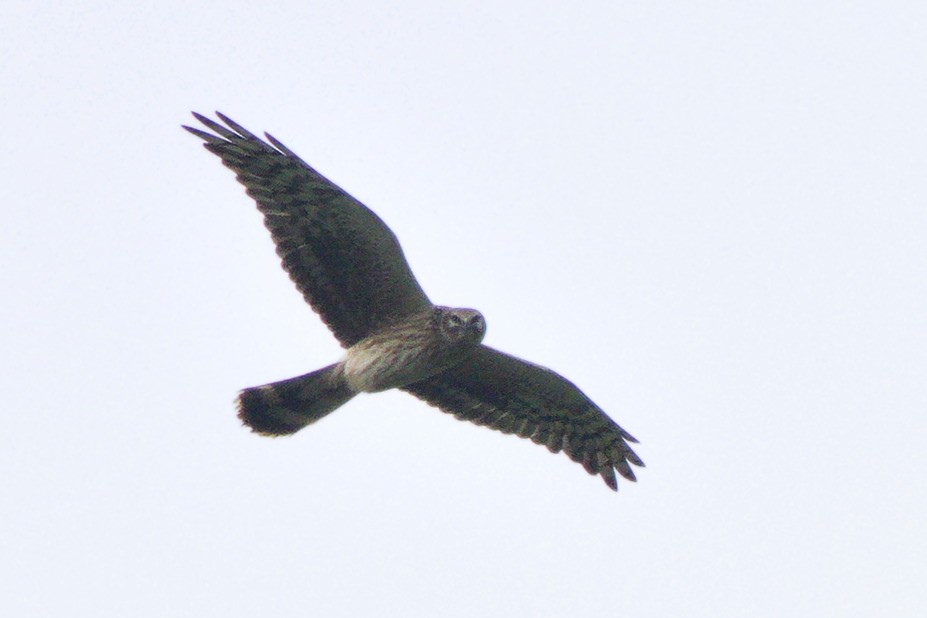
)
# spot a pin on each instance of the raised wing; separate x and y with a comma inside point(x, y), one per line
point(514, 396)
point(342, 257)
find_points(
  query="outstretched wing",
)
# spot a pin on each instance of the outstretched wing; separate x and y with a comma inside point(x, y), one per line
point(514, 396)
point(342, 257)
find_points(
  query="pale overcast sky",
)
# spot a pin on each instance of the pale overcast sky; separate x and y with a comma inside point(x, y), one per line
point(710, 216)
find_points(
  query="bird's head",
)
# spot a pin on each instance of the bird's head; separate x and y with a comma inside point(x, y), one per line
point(461, 325)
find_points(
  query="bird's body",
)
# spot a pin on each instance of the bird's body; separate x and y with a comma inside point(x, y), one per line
point(351, 270)
point(412, 350)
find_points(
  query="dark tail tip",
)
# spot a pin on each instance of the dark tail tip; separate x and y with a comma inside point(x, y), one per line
point(285, 407)
point(260, 409)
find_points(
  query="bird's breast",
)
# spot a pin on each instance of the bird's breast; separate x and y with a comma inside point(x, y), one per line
point(396, 359)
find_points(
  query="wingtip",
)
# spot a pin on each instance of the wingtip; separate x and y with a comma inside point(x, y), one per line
point(237, 128)
point(193, 130)
point(634, 459)
point(627, 472)
point(608, 475)
point(208, 138)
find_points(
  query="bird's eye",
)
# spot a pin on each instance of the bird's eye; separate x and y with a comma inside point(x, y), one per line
point(454, 320)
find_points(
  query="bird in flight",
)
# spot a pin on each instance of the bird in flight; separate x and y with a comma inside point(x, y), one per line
point(349, 267)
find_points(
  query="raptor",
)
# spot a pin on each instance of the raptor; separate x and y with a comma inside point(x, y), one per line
point(349, 267)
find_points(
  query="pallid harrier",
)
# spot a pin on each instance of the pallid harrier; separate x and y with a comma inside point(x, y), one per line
point(351, 270)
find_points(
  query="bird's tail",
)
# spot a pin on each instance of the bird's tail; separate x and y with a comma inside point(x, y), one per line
point(286, 407)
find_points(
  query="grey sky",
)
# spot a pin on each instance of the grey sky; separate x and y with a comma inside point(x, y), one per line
point(710, 216)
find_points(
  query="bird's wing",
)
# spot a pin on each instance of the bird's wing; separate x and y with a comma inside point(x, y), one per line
point(514, 396)
point(346, 262)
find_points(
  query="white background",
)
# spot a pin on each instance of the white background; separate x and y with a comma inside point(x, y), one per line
point(711, 216)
